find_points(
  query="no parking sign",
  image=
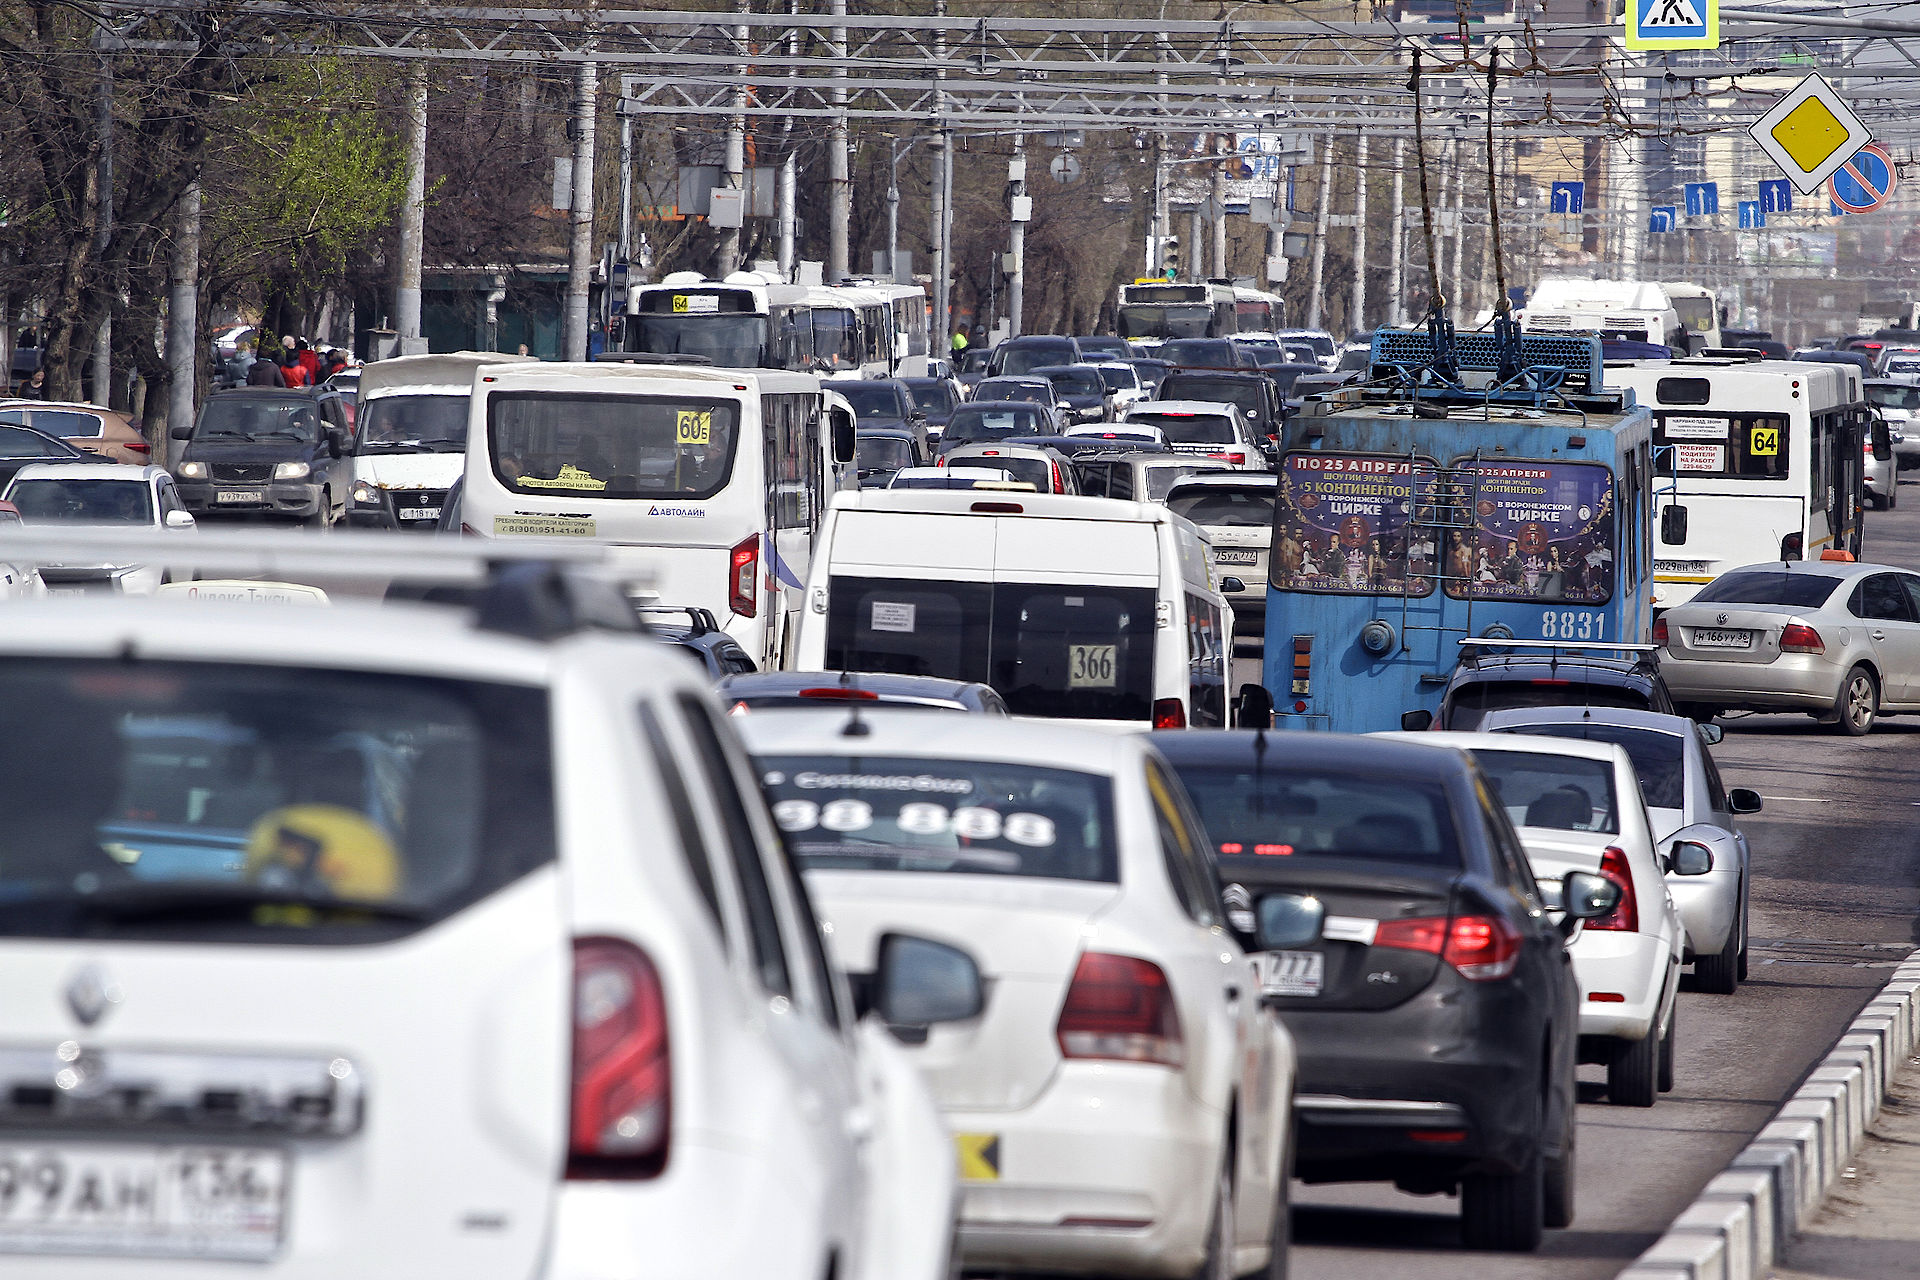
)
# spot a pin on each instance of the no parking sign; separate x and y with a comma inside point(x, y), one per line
point(1865, 181)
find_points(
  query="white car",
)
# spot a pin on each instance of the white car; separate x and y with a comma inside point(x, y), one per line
point(944, 477)
point(1123, 1105)
point(1203, 428)
point(384, 945)
point(1123, 434)
point(101, 495)
point(1577, 807)
point(1124, 386)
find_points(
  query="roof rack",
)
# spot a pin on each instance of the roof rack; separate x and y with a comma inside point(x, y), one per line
point(1451, 368)
point(700, 622)
point(1636, 655)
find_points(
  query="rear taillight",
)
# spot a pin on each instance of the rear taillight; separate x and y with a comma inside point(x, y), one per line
point(1237, 458)
point(1120, 1008)
point(1798, 637)
point(141, 446)
point(1168, 713)
point(467, 530)
point(1624, 918)
point(1660, 632)
point(1482, 948)
point(1059, 481)
point(743, 574)
point(940, 461)
point(622, 1113)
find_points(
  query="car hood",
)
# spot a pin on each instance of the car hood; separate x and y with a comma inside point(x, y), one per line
point(409, 470)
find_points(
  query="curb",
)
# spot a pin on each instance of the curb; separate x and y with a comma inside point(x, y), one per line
point(1745, 1217)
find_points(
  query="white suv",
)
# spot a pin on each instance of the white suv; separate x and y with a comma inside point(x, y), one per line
point(368, 942)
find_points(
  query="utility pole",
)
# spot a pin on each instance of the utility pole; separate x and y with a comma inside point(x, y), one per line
point(1017, 230)
point(413, 224)
point(1196, 238)
point(1457, 264)
point(1357, 317)
point(839, 173)
point(626, 187)
point(942, 215)
point(1162, 224)
point(1217, 197)
point(893, 205)
point(103, 239)
point(784, 196)
point(183, 310)
point(581, 258)
point(1317, 274)
point(1397, 240)
point(735, 178)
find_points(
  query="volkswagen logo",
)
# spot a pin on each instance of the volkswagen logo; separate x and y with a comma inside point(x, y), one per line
point(1720, 619)
point(90, 994)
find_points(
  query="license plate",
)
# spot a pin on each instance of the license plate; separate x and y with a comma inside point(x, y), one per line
point(236, 495)
point(419, 513)
point(1226, 555)
point(1711, 638)
point(1292, 973)
point(142, 1201)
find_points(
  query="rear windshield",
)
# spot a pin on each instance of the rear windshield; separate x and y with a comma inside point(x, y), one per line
point(1237, 507)
point(1561, 793)
point(1769, 587)
point(1658, 758)
point(1242, 392)
point(1286, 812)
point(1034, 471)
point(1118, 377)
point(213, 802)
point(990, 424)
point(1894, 397)
point(56, 422)
point(872, 400)
point(881, 453)
point(1188, 428)
point(979, 817)
point(1471, 702)
point(1217, 352)
point(935, 396)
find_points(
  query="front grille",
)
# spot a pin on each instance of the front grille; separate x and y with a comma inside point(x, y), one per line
point(242, 472)
point(409, 498)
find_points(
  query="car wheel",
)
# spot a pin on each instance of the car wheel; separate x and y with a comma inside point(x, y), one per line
point(1633, 1072)
point(1874, 503)
point(1858, 703)
point(1280, 1237)
point(1505, 1212)
point(1218, 1264)
point(1670, 1047)
point(1557, 1195)
point(1744, 941)
point(1720, 975)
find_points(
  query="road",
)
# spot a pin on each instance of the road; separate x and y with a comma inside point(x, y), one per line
point(1836, 903)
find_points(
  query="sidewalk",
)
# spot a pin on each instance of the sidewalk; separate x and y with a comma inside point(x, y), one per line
point(1869, 1227)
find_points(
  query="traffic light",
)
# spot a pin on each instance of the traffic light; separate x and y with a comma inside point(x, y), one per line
point(1170, 256)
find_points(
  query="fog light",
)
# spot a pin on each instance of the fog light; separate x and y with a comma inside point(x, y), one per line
point(1378, 638)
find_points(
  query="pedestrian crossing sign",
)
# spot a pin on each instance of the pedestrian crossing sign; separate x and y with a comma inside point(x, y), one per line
point(1673, 24)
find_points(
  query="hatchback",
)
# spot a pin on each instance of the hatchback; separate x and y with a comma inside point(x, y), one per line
point(102, 432)
point(1235, 509)
point(1044, 469)
point(1485, 681)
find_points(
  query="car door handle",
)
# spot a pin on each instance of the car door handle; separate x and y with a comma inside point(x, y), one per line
point(1878, 635)
point(1233, 993)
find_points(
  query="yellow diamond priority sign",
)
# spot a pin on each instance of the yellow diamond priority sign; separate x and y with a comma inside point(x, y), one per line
point(1810, 133)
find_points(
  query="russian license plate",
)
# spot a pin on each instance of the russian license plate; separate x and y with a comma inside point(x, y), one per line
point(1231, 555)
point(142, 1201)
point(236, 495)
point(1292, 973)
point(1713, 638)
point(419, 513)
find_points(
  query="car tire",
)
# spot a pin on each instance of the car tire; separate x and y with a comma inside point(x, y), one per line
point(1218, 1263)
point(1633, 1073)
point(1505, 1212)
point(1874, 503)
point(1698, 712)
point(1745, 938)
point(1670, 1047)
point(1558, 1194)
point(1719, 975)
point(1857, 705)
point(1280, 1235)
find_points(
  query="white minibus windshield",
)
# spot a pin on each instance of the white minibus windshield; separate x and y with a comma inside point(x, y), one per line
point(562, 444)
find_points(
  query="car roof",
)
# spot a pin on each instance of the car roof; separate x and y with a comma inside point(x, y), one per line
point(1814, 568)
point(906, 732)
point(1619, 717)
point(1226, 480)
point(1339, 752)
point(1015, 446)
point(1024, 406)
point(886, 433)
point(89, 471)
point(1076, 366)
point(1576, 747)
point(1197, 408)
point(1237, 372)
point(1530, 666)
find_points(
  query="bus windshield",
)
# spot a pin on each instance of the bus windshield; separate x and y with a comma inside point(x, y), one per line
point(731, 340)
point(565, 444)
point(1179, 320)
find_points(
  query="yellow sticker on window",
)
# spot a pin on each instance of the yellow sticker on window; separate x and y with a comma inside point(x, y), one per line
point(1764, 442)
point(570, 477)
point(679, 302)
point(693, 426)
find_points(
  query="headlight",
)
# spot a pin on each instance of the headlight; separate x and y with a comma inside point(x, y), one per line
point(191, 471)
point(365, 494)
point(291, 471)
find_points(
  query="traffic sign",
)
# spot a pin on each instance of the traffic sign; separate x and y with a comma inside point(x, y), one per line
point(1660, 218)
point(1065, 168)
point(1776, 196)
point(1865, 181)
point(1567, 197)
point(1703, 198)
point(1810, 133)
point(1673, 24)
point(1752, 216)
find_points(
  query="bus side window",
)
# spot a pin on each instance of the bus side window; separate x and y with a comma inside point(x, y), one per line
point(1818, 452)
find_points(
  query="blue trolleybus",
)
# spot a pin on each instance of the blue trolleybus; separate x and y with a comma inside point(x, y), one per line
point(1475, 488)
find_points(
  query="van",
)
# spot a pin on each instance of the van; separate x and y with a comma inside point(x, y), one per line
point(412, 437)
point(1080, 609)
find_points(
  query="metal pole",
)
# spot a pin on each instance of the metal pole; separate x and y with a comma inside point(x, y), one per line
point(942, 188)
point(1161, 225)
point(581, 258)
point(626, 187)
point(183, 310)
point(1397, 241)
point(1217, 197)
point(839, 171)
point(1317, 274)
point(1196, 240)
point(727, 254)
point(787, 216)
point(1457, 264)
point(893, 206)
point(103, 239)
point(1017, 236)
point(406, 295)
point(1357, 317)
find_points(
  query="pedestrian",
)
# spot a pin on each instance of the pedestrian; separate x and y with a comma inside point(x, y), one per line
point(523, 350)
point(959, 341)
point(264, 372)
point(292, 370)
point(309, 360)
point(336, 361)
point(36, 388)
point(241, 365)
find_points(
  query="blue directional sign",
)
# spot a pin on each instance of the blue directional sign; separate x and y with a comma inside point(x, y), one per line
point(1776, 196)
point(1752, 216)
point(1568, 197)
point(1661, 218)
point(1703, 198)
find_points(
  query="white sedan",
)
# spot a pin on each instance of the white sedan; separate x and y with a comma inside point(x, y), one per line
point(99, 495)
point(1123, 1103)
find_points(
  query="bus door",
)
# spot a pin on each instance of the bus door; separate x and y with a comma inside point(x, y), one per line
point(1840, 479)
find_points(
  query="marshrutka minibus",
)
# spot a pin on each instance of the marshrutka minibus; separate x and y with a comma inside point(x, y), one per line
point(710, 483)
point(1756, 460)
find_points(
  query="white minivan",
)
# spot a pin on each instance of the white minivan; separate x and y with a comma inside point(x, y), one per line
point(410, 437)
point(1082, 609)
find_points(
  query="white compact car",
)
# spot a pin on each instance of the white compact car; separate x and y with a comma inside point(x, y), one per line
point(105, 495)
point(1577, 807)
point(1123, 1104)
point(382, 945)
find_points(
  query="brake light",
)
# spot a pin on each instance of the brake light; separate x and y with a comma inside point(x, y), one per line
point(1169, 714)
point(1059, 481)
point(744, 562)
point(141, 446)
point(1798, 637)
point(837, 694)
point(1544, 680)
point(1237, 458)
point(1482, 948)
point(1660, 632)
point(1624, 918)
point(620, 1123)
point(1120, 1008)
point(940, 461)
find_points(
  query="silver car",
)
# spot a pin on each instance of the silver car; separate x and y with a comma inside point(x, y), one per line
point(1686, 802)
point(1835, 639)
point(1047, 470)
point(1235, 508)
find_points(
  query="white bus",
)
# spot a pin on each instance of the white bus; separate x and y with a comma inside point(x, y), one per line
point(1699, 310)
point(1753, 460)
point(1150, 312)
point(410, 437)
point(1621, 309)
point(712, 481)
point(752, 321)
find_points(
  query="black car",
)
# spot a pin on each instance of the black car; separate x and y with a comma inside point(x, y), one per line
point(1023, 355)
point(1203, 353)
point(1256, 393)
point(878, 453)
point(883, 402)
point(1080, 386)
point(1105, 348)
point(1486, 682)
point(267, 451)
point(1151, 372)
point(23, 446)
point(935, 398)
point(978, 421)
point(799, 689)
point(699, 634)
point(1409, 950)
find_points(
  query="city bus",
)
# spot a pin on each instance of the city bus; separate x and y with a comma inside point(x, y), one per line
point(1150, 312)
point(753, 321)
point(1256, 311)
point(1757, 459)
point(1627, 310)
point(1403, 527)
point(710, 483)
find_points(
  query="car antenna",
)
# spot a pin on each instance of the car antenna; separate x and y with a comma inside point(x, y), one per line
point(855, 726)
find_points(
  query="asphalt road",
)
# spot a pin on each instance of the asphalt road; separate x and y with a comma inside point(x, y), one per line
point(1835, 904)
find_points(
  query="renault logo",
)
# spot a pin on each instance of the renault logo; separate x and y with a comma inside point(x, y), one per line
point(91, 994)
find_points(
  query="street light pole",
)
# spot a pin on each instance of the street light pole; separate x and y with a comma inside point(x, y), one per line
point(942, 186)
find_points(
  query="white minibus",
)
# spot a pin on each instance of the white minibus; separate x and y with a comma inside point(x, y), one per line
point(1089, 610)
point(1753, 460)
point(410, 437)
point(710, 481)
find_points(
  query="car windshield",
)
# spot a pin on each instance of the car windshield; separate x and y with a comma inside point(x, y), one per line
point(881, 453)
point(1903, 366)
point(872, 399)
point(1560, 793)
point(1896, 396)
point(969, 423)
point(1182, 427)
point(1079, 652)
point(933, 395)
point(1018, 360)
point(1769, 589)
point(1206, 352)
point(246, 802)
point(63, 501)
point(1472, 701)
point(1075, 382)
point(1152, 373)
point(971, 817)
point(1118, 377)
point(601, 446)
point(1029, 392)
point(1659, 758)
point(1174, 320)
point(1244, 508)
point(414, 424)
point(258, 418)
point(730, 341)
point(1257, 814)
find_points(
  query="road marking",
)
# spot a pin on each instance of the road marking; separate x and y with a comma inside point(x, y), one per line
point(1799, 799)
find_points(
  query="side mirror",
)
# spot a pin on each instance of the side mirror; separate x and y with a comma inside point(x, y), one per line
point(1689, 858)
point(1284, 920)
point(182, 432)
point(1416, 721)
point(1882, 441)
point(337, 441)
point(843, 434)
point(919, 982)
point(1232, 586)
point(1585, 896)
point(1673, 526)
point(1711, 734)
point(1741, 800)
point(178, 520)
point(1253, 707)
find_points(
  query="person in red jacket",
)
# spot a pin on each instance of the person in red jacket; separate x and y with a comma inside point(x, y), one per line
point(310, 361)
point(293, 371)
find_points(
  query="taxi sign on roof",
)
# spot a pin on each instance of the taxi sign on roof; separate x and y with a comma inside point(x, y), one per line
point(1673, 24)
point(1810, 133)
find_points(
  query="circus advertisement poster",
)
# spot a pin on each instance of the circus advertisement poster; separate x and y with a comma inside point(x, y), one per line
point(1542, 531)
point(1341, 526)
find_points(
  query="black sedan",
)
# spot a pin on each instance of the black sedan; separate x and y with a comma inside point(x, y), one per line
point(22, 446)
point(1409, 950)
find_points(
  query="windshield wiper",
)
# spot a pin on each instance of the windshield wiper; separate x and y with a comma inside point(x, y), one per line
point(148, 900)
point(209, 435)
point(291, 435)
